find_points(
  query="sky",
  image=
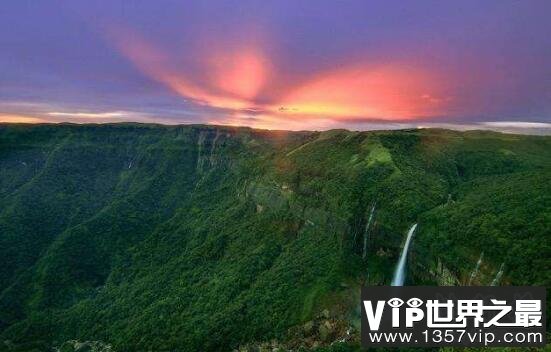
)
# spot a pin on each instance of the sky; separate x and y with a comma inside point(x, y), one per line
point(285, 64)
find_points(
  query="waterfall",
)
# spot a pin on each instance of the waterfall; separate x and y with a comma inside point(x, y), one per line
point(399, 274)
point(499, 274)
point(476, 268)
point(367, 229)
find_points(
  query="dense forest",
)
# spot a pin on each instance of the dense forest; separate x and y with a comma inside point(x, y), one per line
point(134, 237)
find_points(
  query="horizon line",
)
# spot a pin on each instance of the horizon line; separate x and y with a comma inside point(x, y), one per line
point(503, 127)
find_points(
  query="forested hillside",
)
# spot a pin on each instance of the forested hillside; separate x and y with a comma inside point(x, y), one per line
point(203, 238)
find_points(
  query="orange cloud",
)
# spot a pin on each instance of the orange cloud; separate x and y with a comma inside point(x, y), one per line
point(363, 92)
point(4, 118)
point(156, 65)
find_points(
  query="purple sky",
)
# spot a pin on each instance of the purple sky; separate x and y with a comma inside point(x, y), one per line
point(278, 64)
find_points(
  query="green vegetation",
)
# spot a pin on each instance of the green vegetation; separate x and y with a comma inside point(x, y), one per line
point(196, 238)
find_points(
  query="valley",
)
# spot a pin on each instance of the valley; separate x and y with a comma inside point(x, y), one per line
point(193, 237)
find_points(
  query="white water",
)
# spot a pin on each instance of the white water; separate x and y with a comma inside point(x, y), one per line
point(399, 273)
point(498, 275)
point(476, 268)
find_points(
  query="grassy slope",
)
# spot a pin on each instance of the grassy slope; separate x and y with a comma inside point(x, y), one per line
point(153, 237)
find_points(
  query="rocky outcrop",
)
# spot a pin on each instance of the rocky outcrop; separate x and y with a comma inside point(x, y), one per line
point(443, 275)
point(324, 330)
point(85, 346)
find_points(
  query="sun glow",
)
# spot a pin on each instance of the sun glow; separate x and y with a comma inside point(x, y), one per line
point(236, 79)
point(242, 74)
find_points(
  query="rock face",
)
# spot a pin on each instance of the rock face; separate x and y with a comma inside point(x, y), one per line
point(325, 330)
point(444, 276)
point(85, 346)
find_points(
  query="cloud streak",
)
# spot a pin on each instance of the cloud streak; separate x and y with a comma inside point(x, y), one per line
point(90, 115)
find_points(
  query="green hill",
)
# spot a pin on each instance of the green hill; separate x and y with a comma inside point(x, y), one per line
point(201, 238)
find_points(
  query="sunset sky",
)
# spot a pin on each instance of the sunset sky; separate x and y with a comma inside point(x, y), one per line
point(278, 64)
